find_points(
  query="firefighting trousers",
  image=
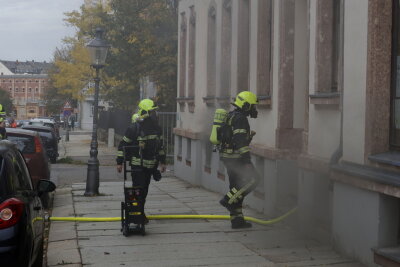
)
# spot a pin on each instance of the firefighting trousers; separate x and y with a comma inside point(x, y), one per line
point(141, 178)
point(243, 178)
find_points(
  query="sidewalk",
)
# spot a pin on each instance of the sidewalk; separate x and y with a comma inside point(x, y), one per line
point(171, 242)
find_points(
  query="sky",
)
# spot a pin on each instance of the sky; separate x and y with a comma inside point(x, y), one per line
point(32, 29)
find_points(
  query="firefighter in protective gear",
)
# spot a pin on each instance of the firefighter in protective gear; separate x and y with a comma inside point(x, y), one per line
point(146, 136)
point(3, 132)
point(235, 154)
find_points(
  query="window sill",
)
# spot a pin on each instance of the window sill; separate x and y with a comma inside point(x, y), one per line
point(390, 158)
point(209, 100)
point(389, 256)
point(223, 100)
point(325, 99)
point(369, 173)
point(264, 101)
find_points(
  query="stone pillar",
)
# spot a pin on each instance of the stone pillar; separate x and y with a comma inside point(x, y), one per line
point(286, 136)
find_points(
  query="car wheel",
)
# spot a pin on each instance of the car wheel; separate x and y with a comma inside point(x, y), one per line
point(45, 200)
point(39, 258)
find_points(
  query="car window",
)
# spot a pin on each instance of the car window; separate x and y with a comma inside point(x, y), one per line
point(22, 171)
point(25, 144)
point(3, 179)
point(36, 123)
point(49, 124)
point(47, 138)
point(13, 179)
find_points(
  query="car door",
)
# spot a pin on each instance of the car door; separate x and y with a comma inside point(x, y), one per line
point(35, 206)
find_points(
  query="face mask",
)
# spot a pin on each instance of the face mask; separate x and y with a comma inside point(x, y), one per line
point(253, 112)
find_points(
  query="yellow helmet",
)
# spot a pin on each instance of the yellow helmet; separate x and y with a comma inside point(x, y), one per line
point(245, 99)
point(145, 106)
point(2, 112)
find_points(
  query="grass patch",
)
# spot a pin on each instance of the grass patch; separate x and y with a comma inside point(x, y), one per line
point(69, 160)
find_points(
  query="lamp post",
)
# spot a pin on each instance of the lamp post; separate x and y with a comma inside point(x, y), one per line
point(98, 52)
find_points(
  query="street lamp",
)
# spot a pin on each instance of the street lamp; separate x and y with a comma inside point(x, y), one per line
point(98, 52)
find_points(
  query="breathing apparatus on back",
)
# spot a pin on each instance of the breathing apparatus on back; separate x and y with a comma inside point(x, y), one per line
point(221, 133)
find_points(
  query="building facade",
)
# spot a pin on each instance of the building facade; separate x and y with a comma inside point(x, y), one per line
point(26, 83)
point(327, 76)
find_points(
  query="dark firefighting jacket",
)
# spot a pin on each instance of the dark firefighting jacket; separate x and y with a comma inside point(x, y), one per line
point(3, 133)
point(146, 144)
point(238, 147)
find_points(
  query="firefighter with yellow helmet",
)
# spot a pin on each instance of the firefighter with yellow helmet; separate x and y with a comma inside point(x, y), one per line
point(145, 135)
point(3, 132)
point(235, 154)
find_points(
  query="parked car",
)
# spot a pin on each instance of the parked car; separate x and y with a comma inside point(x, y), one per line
point(21, 123)
point(49, 140)
point(47, 123)
point(21, 211)
point(31, 146)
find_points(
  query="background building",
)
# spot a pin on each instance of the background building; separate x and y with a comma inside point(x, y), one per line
point(26, 83)
point(326, 74)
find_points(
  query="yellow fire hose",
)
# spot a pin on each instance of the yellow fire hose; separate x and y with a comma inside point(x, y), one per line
point(163, 217)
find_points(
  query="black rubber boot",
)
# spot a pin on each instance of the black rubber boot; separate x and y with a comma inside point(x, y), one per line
point(225, 203)
point(240, 223)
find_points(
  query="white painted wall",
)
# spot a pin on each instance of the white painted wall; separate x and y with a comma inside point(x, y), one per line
point(355, 79)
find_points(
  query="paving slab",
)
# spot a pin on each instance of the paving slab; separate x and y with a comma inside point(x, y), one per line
point(189, 242)
point(61, 231)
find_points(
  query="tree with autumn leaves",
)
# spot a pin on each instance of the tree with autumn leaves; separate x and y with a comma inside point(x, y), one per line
point(143, 39)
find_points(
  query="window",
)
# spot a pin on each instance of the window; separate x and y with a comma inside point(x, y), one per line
point(264, 45)
point(31, 111)
point(179, 156)
point(395, 94)
point(328, 43)
point(16, 89)
point(29, 90)
point(192, 55)
point(10, 89)
point(243, 51)
point(23, 90)
point(37, 89)
point(37, 81)
point(182, 60)
point(211, 53)
point(226, 49)
point(208, 156)
point(22, 172)
point(188, 151)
